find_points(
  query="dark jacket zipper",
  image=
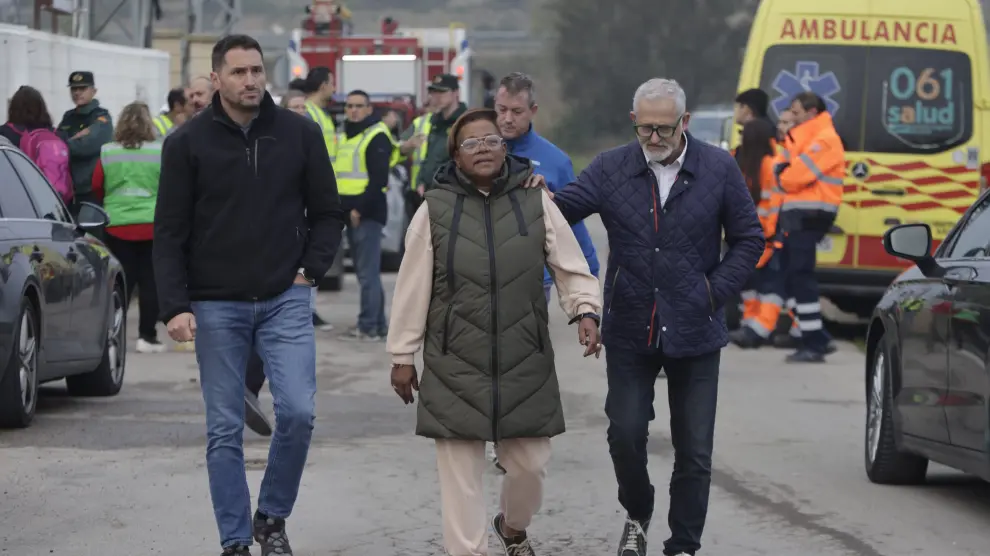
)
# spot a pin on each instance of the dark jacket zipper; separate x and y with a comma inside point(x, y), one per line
point(711, 298)
point(493, 287)
point(615, 278)
point(446, 328)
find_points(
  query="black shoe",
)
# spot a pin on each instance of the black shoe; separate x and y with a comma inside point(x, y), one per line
point(319, 323)
point(746, 338)
point(236, 550)
point(254, 415)
point(270, 534)
point(786, 341)
point(831, 348)
point(512, 546)
point(806, 356)
point(633, 540)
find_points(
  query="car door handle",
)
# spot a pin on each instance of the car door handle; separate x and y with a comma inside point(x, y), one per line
point(958, 275)
point(888, 192)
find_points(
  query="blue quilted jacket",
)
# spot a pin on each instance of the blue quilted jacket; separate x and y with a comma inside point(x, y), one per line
point(665, 284)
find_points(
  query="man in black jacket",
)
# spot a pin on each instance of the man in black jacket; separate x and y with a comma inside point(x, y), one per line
point(247, 217)
point(362, 166)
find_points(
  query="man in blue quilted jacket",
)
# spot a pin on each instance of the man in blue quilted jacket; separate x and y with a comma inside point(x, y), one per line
point(665, 200)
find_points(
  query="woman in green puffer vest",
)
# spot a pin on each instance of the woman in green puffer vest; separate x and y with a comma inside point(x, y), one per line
point(470, 292)
point(127, 173)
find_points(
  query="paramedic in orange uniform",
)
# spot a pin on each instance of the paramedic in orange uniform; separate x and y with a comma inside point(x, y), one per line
point(755, 156)
point(809, 170)
point(750, 105)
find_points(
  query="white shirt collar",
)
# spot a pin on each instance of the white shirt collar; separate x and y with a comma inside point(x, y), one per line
point(675, 164)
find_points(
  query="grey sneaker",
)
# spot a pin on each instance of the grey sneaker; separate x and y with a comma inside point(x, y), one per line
point(236, 550)
point(355, 335)
point(513, 546)
point(270, 534)
point(633, 540)
point(254, 415)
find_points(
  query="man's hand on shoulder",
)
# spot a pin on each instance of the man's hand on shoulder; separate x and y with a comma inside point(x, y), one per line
point(537, 180)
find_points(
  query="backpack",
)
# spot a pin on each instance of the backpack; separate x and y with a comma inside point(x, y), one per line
point(51, 154)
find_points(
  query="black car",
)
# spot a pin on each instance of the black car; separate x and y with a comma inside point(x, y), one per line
point(61, 295)
point(928, 355)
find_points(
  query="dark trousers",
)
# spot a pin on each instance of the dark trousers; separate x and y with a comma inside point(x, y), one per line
point(798, 265)
point(139, 273)
point(692, 395)
point(255, 378)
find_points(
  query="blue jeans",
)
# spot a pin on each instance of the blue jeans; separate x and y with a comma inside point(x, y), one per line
point(366, 251)
point(280, 330)
point(546, 291)
point(692, 395)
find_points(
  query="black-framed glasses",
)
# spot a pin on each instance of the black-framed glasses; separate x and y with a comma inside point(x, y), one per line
point(662, 131)
point(349, 106)
point(472, 145)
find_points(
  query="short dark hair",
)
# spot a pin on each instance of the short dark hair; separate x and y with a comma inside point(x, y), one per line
point(316, 77)
point(517, 82)
point(232, 42)
point(176, 97)
point(809, 100)
point(360, 93)
point(473, 115)
point(298, 84)
point(27, 108)
point(757, 100)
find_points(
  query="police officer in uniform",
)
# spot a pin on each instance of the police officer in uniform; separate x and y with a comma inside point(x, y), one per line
point(88, 127)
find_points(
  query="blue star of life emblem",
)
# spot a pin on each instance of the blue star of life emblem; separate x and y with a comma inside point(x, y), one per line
point(806, 77)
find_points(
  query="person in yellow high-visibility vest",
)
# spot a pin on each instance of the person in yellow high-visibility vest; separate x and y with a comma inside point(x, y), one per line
point(362, 165)
point(413, 145)
point(319, 90)
point(165, 123)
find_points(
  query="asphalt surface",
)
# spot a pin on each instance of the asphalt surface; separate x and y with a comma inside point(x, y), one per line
point(125, 475)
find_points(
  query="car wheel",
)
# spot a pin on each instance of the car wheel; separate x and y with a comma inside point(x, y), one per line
point(108, 377)
point(885, 463)
point(19, 386)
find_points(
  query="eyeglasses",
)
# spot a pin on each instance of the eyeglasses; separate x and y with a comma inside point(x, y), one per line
point(662, 131)
point(349, 106)
point(472, 145)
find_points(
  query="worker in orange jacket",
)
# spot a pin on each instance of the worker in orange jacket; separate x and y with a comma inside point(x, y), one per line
point(756, 155)
point(809, 170)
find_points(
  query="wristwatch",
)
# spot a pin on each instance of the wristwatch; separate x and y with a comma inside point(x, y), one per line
point(306, 277)
point(592, 316)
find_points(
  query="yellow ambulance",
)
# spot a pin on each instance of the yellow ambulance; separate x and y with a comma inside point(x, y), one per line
point(906, 82)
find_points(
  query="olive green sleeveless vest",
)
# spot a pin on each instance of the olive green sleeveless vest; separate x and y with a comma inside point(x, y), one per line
point(489, 366)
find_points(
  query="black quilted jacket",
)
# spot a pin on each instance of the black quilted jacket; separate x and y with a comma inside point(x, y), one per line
point(665, 285)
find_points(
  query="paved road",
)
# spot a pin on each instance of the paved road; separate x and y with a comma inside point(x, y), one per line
point(125, 476)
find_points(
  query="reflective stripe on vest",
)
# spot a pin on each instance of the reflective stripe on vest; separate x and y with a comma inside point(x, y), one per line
point(326, 124)
point(130, 182)
point(351, 165)
point(422, 124)
point(164, 124)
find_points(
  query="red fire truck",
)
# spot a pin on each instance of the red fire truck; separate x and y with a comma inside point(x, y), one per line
point(394, 67)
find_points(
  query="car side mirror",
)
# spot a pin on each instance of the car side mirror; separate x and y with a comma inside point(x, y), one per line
point(912, 242)
point(91, 216)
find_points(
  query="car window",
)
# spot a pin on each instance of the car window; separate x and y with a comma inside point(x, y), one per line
point(973, 237)
point(919, 101)
point(49, 204)
point(14, 200)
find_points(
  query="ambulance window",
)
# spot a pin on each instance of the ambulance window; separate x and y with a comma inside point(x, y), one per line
point(835, 73)
point(918, 100)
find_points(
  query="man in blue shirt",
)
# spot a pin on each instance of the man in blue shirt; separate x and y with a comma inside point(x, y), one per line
point(515, 102)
